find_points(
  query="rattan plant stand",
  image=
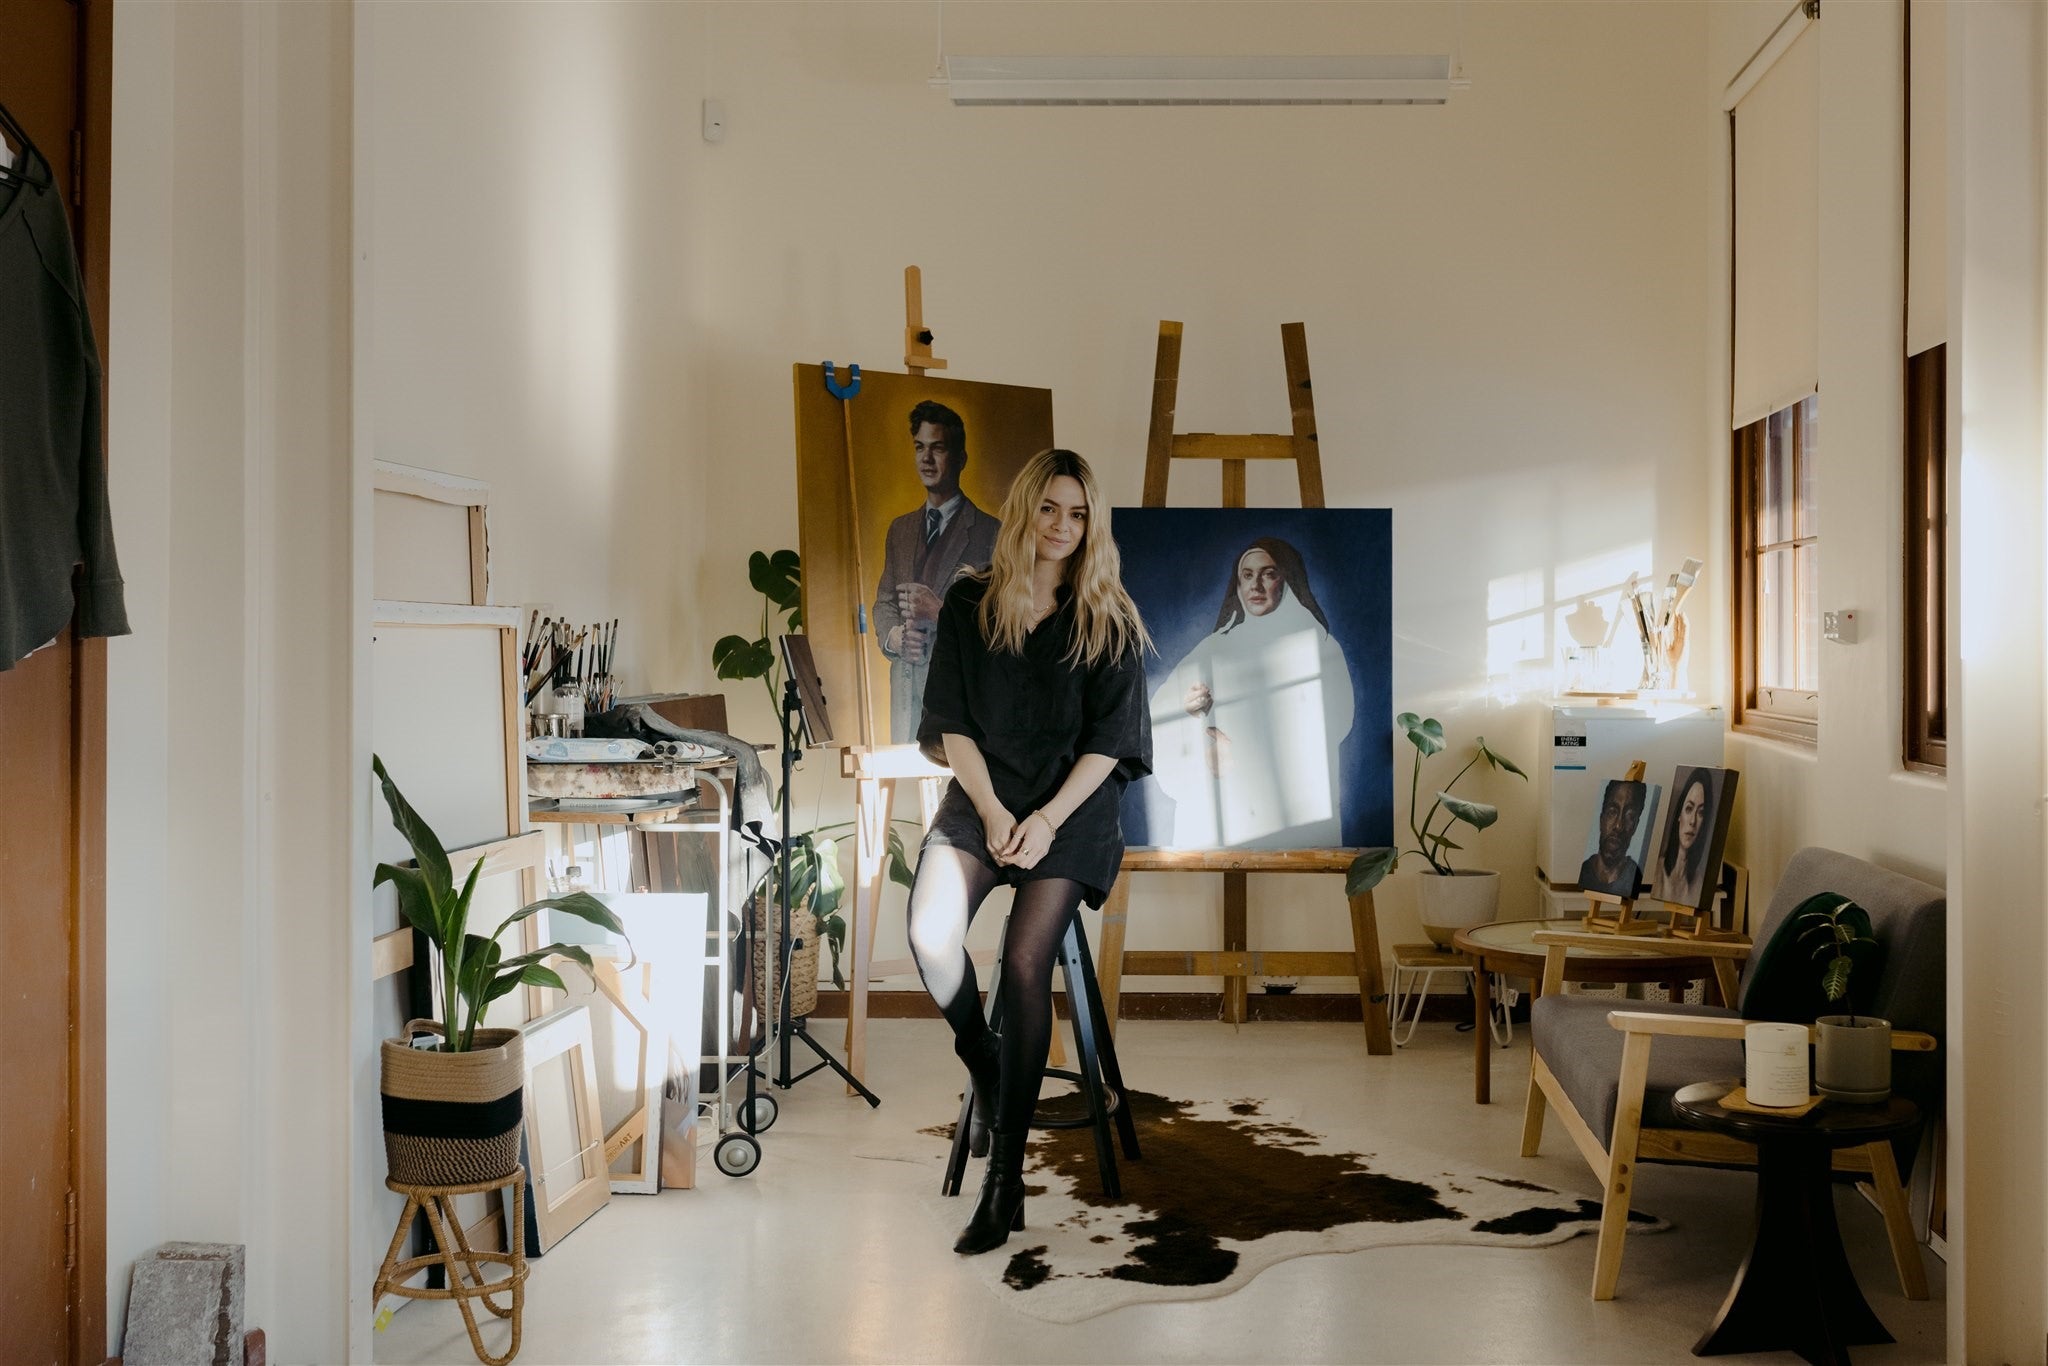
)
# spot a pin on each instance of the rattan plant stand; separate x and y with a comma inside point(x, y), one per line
point(454, 1255)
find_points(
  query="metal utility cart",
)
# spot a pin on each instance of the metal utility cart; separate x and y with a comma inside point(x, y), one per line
point(704, 809)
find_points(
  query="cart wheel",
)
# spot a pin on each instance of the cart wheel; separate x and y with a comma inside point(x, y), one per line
point(758, 1116)
point(737, 1154)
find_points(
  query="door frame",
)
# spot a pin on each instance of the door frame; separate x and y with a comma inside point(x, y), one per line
point(88, 1063)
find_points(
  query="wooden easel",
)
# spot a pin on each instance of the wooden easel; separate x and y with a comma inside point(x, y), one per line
point(1623, 920)
point(1237, 963)
point(876, 772)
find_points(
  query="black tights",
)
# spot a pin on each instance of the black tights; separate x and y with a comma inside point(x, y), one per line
point(951, 884)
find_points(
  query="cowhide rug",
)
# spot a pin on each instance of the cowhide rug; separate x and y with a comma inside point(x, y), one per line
point(1222, 1193)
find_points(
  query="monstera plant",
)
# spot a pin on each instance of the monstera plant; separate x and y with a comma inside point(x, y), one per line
point(1454, 897)
point(779, 579)
point(814, 876)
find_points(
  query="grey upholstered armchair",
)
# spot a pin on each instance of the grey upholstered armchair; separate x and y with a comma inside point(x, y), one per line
point(1595, 1066)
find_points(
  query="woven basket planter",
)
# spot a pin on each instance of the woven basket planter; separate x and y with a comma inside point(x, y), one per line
point(803, 964)
point(452, 1119)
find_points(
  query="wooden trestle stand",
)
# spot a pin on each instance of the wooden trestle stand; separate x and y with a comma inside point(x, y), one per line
point(1236, 963)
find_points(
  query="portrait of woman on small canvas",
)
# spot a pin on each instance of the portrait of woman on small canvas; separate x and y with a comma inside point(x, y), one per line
point(1689, 865)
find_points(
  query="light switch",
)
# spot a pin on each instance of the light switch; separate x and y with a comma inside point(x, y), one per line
point(1839, 626)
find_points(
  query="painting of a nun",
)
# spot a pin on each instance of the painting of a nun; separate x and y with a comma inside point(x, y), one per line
point(1270, 654)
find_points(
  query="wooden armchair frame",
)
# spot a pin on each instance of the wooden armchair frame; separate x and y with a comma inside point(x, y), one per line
point(1631, 1143)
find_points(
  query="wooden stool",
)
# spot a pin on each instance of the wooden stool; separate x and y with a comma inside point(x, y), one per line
point(1096, 1072)
point(1415, 965)
point(437, 1203)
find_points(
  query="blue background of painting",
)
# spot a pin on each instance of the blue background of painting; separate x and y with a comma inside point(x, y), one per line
point(1177, 562)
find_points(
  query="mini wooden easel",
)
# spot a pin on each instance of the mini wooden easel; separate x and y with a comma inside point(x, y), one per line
point(1622, 921)
point(1236, 964)
point(1688, 922)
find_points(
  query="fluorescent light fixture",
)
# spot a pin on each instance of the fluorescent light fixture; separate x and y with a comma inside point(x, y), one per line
point(1199, 80)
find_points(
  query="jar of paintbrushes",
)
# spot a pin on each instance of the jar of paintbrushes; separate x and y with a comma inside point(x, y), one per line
point(567, 672)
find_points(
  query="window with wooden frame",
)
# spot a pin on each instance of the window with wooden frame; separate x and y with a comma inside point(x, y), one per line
point(1926, 599)
point(1923, 609)
point(1778, 591)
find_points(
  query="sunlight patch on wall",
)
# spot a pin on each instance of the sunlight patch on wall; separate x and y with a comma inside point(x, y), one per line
point(1530, 646)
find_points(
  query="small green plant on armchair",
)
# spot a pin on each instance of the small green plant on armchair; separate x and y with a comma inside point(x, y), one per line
point(1433, 841)
point(1837, 945)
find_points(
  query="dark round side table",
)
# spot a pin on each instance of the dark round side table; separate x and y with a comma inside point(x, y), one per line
point(1795, 1291)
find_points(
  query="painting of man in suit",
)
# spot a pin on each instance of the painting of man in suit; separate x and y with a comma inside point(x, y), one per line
point(926, 549)
point(898, 481)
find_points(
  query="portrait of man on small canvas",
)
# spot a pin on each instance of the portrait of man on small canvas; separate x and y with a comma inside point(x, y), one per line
point(1619, 844)
point(1688, 866)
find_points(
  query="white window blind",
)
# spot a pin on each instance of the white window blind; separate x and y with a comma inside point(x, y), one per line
point(1927, 172)
point(1777, 236)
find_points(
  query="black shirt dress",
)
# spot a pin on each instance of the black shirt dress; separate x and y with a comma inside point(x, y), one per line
point(1032, 715)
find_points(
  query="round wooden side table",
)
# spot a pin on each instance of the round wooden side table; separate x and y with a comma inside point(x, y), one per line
point(1795, 1291)
point(1509, 948)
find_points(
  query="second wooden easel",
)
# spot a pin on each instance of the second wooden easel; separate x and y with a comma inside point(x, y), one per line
point(1237, 963)
point(876, 772)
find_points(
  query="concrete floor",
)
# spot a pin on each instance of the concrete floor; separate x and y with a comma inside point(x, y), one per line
point(821, 1256)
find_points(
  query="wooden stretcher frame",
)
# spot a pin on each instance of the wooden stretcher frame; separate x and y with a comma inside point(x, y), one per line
point(436, 486)
point(643, 1126)
point(566, 1188)
point(389, 615)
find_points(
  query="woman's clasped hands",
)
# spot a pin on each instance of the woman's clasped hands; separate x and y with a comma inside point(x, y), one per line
point(1018, 843)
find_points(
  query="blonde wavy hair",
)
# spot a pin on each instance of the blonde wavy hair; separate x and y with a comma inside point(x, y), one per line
point(1106, 621)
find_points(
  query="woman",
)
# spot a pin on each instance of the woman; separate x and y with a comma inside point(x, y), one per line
point(1249, 722)
point(1036, 702)
point(1682, 870)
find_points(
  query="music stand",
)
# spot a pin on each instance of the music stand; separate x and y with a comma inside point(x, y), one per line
point(804, 721)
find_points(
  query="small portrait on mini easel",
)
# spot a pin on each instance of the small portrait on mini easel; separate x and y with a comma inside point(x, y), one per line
point(1618, 848)
point(1688, 867)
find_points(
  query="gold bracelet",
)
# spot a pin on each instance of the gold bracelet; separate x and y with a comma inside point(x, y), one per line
point(1050, 829)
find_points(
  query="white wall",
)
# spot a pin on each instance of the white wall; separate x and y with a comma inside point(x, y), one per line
point(531, 319)
point(1502, 296)
point(1998, 429)
point(1851, 792)
point(231, 798)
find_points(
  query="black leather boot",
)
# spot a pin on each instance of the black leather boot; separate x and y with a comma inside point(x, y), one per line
point(985, 1073)
point(1000, 1210)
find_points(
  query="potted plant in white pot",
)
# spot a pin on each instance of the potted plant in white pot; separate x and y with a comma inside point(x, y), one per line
point(1852, 1058)
point(1451, 898)
point(452, 1112)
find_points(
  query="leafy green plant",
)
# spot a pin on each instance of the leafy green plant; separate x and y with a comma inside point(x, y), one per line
point(814, 873)
point(1433, 842)
point(474, 971)
point(1837, 944)
point(779, 579)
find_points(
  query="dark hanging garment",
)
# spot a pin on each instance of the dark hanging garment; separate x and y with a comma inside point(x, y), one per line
point(53, 474)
